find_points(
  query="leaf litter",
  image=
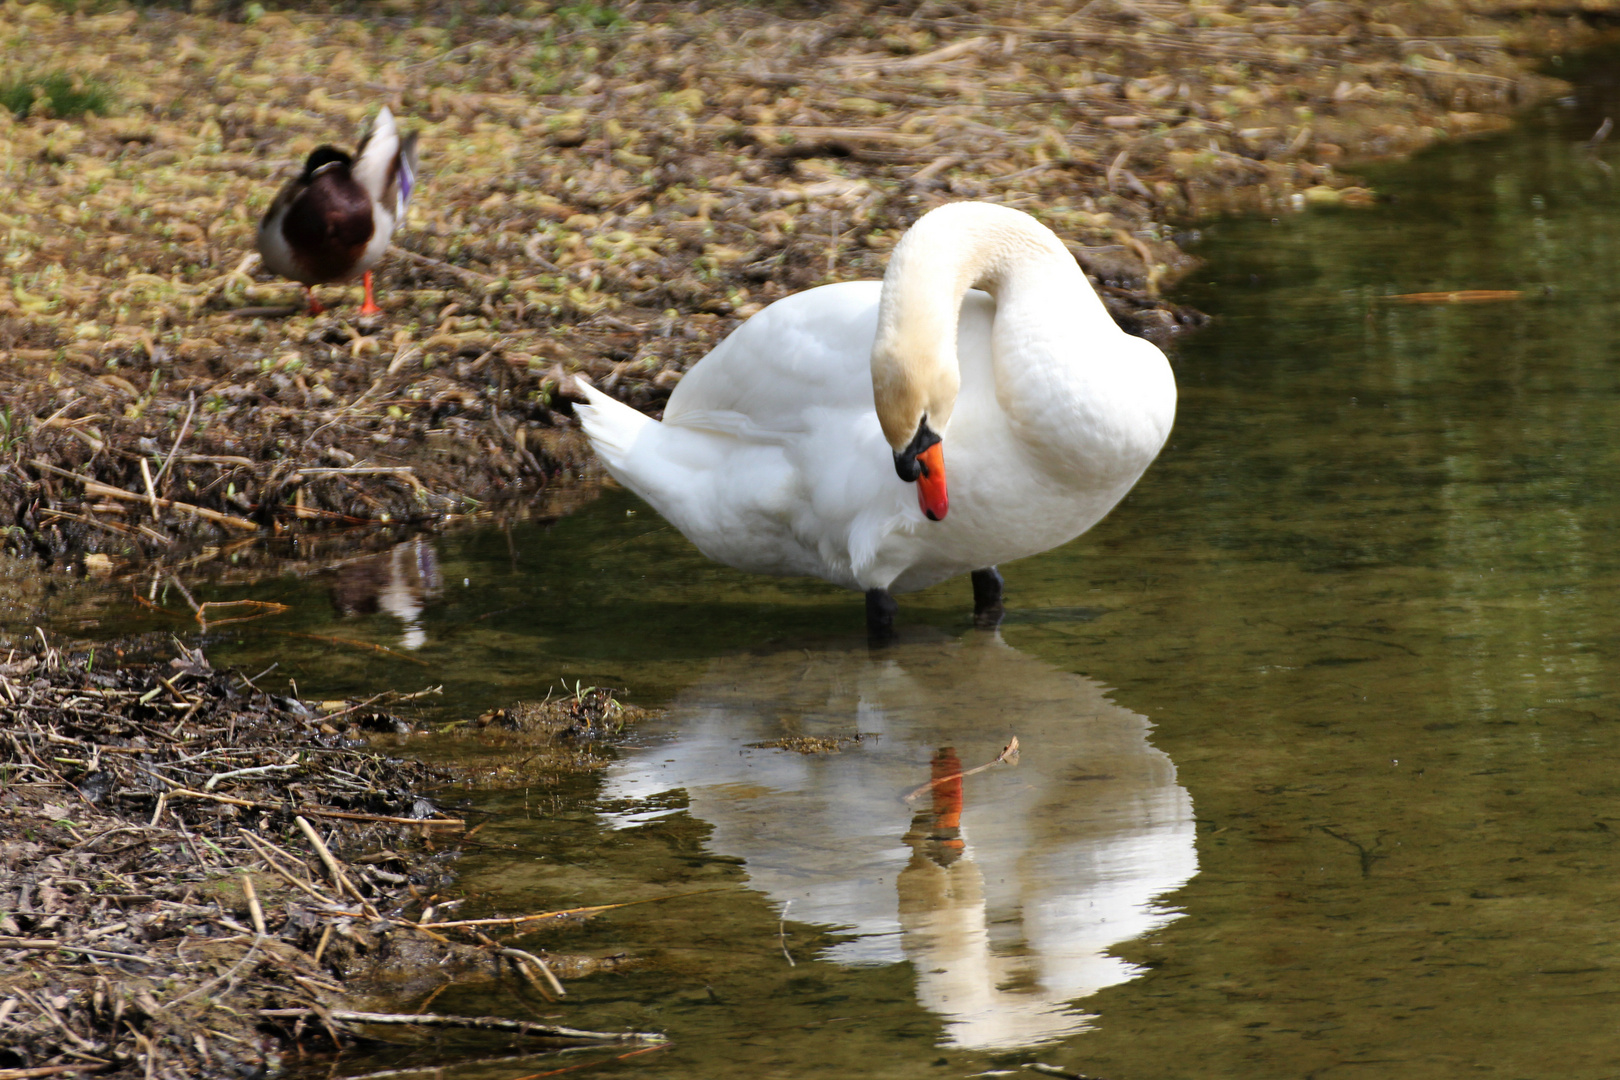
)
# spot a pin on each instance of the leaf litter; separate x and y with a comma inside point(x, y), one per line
point(608, 189)
point(197, 875)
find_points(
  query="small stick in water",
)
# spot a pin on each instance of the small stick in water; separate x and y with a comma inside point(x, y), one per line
point(1008, 756)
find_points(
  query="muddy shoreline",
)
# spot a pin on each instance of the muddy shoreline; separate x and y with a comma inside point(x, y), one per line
point(607, 191)
point(198, 878)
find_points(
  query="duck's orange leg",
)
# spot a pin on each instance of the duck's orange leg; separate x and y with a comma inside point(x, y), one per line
point(370, 306)
point(315, 307)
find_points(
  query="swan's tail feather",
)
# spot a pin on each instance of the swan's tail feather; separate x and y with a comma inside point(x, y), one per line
point(611, 425)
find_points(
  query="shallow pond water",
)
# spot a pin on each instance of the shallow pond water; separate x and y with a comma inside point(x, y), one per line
point(1319, 731)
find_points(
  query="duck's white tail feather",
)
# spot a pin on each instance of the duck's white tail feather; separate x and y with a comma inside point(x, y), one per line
point(611, 425)
point(374, 157)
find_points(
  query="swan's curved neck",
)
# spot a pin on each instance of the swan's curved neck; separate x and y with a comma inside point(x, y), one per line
point(950, 250)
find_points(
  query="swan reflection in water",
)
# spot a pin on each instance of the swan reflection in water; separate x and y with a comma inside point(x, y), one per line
point(399, 581)
point(1004, 889)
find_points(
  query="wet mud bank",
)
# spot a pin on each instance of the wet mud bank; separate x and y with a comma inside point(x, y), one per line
point(199, 878)
point(607, 191)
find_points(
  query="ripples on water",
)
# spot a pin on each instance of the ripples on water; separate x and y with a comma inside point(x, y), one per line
point(1367, 598)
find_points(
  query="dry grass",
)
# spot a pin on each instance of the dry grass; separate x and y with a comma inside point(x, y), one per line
point(573, 730)
point(607, 189)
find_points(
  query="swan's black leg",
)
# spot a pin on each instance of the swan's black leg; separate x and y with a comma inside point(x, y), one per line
point(880, 612)
point(987, 609)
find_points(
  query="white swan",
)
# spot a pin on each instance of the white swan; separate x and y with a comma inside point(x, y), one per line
point(779, 450)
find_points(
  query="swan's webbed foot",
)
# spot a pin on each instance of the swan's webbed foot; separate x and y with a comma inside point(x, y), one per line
point(987, 609)
point(880, 611)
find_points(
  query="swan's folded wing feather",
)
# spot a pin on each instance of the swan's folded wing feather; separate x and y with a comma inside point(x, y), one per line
point(737, 425)
point(812, 347)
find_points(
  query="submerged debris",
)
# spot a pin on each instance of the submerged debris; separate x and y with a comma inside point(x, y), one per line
point(813, 744)
point(580, 714)
point(196, 874)
point(569, 732)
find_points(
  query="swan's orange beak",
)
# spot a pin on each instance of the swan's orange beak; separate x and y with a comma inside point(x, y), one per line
point(931, 482)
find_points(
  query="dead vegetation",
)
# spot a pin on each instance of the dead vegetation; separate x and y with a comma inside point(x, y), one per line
point(197, 875)
point(813, 744)
point(607, 189)
point(570, 731)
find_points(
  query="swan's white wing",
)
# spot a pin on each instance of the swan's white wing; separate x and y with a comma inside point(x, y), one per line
point(770, 457)
point(812, 349)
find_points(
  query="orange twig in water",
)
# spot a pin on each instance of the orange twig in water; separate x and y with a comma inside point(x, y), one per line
point(261, 608)
point(1458, 296)
point(359, 644)
point(565, 913)
point(593, 1064)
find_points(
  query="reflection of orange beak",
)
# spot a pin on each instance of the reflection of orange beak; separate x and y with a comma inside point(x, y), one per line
point(931, 482)
point(947, 777)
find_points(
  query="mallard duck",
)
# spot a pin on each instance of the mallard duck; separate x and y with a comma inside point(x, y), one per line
point(332, 222)
point(815, 439)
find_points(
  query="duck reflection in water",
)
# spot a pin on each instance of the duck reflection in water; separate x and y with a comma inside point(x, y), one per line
point(398, 581)
point(1006, 889)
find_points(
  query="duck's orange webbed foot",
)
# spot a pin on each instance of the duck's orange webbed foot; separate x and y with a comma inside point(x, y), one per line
point(315, 307)
point(370, 306)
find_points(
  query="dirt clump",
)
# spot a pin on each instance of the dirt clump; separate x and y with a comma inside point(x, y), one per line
point(570, 731)
point(812, 744)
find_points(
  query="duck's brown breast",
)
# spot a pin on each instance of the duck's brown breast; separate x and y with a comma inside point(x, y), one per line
point(328, 228)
